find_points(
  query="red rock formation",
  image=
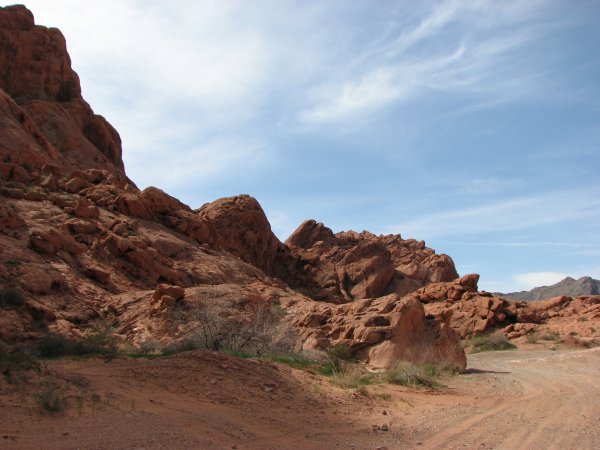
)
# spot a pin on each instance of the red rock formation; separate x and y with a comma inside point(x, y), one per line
point(382, 330)
point(349, 265)
point(241, 228)
point(45, 119)
point(470, 312)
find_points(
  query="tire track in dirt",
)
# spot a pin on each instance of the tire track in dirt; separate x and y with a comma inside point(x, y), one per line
point(557, 403)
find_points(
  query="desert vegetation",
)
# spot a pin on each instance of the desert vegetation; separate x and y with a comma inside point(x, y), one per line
point(490, 342)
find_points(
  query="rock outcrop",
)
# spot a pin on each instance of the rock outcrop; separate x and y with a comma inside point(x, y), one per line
point(470, 312)
point(383, 331)
point(45, 121)
point(348, 266)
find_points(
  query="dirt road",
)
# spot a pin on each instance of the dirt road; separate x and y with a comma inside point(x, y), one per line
point(520, 400)
point(538, 399)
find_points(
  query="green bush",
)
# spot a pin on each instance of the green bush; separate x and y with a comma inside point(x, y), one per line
point(491, 342)
point(11, 297)
point(294, 360)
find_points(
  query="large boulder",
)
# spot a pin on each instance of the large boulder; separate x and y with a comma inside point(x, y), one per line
point(381, 331)
point(241, 228)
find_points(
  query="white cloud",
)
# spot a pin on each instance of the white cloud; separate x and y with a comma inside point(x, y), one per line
point(201, 161)
point(530, 280)
point(373, 91)
point(197, 51)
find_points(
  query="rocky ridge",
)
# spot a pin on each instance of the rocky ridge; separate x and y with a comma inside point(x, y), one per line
point(568, 286)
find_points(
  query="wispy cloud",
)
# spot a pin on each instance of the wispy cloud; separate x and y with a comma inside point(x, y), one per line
point(513, 214)
point(468, 53)
point(369, 93)
point(486, 185)
point(521, 244)
point(201, 160)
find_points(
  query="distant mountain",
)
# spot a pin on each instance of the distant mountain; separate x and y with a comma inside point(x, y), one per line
point(568, 286)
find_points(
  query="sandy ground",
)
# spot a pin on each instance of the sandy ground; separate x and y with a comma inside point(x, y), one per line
point(517, 399)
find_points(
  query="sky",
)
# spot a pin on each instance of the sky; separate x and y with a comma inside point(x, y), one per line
point(473, 125)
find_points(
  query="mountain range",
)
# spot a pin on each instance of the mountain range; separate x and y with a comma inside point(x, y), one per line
point(569, 286)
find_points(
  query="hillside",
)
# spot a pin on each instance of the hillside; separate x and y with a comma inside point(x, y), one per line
point(568, 286)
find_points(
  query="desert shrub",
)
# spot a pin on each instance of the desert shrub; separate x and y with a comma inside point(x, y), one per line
point(338, 355)
point(576, 342)
point(188, 343)
point(11, 297)
point(254, 334)
point(435, 359)
point(554, 336)
point(101, 341)
point(51, 398)
point(14, 363)
point(362, 390)
point(491, 342)
point(352, 376)
point(256, 329)
point(410, 374)
point(532, 338)
point(53, 345)
point(148, 347)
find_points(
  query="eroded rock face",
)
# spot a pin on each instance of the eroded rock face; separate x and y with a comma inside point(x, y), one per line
point(241, 228)
point(45, 119)
point(470, 312)
point(347, 266)
point(382, 331)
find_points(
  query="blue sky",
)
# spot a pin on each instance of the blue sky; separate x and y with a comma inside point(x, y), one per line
point(473, 125)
